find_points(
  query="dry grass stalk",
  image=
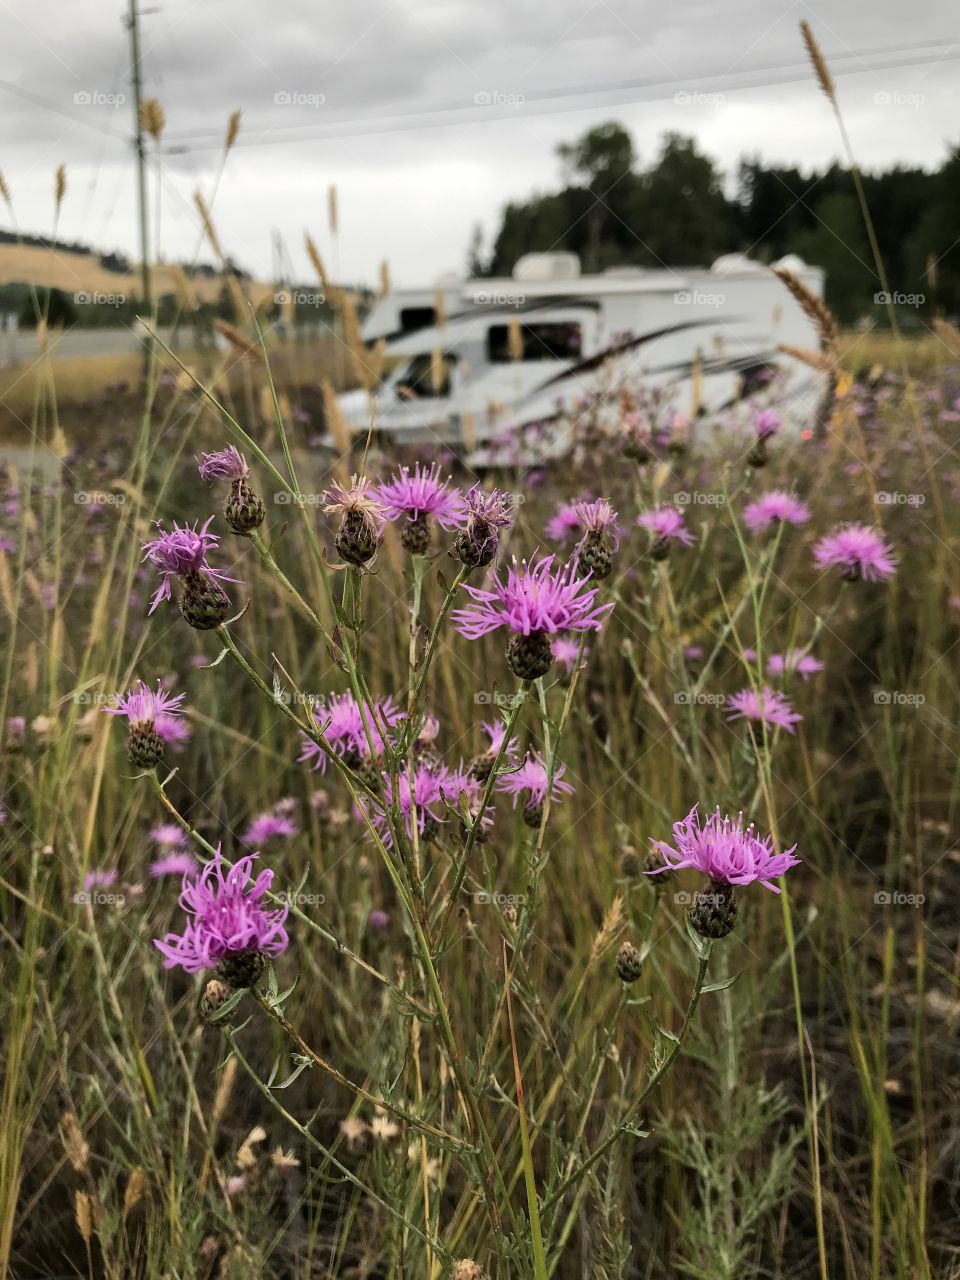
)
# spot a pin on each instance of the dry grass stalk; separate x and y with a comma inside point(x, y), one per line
point(209, 229)
point(948, 334)
point(613, 922)
point(336, 425)
point(514, 339)
point(439, 308)
point(332, 209)
point(5, 192)
point(59, 185)
point(83, 1215)
point(313, 253)
point(818, 61)
point(183, 288)
point(239, 343)
point(819, 360)
point(133, 1192)
point(152, 118)
point(233, 128)
point(436, 370)
point(75, 1145)
point(813, 307)
point(384, 278)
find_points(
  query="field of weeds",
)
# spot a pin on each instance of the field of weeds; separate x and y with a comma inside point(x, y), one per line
point(462, 1016)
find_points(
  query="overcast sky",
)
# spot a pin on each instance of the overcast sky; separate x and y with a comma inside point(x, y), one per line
point(430, 114)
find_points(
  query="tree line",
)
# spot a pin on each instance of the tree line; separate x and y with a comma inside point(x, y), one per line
point(677, 212)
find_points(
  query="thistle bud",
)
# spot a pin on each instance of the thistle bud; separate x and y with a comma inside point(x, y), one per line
point(533, 816)
point(415, 535)
point(243, 509)
point(529, 657)
point(241, 969)
point(215, 996)
point(203, 603)
point(357, 539)
point(629, 963)
point(714, 911)
point(145, 747)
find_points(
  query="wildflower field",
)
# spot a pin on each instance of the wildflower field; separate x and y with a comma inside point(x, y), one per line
point(414, 873)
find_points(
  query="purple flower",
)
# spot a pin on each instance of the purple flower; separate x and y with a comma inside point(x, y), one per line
point(420, 804)
point(496, 732)
point(724, 851)
point(145, 708)
point(566, 651)
point(406, 496)
point(531, 781)
point(535, 597)
point(168, 836)
point(100, 879)
point(766, 707)
point(465, 782)
point(563, 523)
point(227, 464)
point(181, 552)
point(487, 514)
point(268, 826)
point(174, 864)
point(226, 918)
point(174, 732)
point(340, 720)
point(858, 551)
point(362, 519)
point(804, 664)
point(378, 920)
point(766, 423)
point(776, 506)
point(667, 525)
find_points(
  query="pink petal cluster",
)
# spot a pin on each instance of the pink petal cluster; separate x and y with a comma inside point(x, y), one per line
point(597, 517)
point(666, 524)
point(531, 781)
point(534, 597)
point(723, 850)
point(144, 706)
point(422, 493)
point(764, 707)
point(794, 660)
point(225, 916)
point(859, 551)
point(563, 523)
point(339, 718)
point(226, 464)
point(776, 506)
point(180, 551)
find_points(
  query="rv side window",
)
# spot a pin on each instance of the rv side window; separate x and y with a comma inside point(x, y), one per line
point(417, 318)
point(559, 341)
point(426, 376)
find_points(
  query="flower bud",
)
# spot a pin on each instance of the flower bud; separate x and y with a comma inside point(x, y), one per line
point(242, 969)
point(530, 656)
point(629, 963)
point(415, 535)
point(714, 911)
point(204, 603)
point(215, 996)
point(145, 747)
point(243, 509)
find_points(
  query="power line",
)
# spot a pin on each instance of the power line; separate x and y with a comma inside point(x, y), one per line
point(454, 112)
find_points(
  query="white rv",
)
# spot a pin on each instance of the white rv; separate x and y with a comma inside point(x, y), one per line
point(472, 359)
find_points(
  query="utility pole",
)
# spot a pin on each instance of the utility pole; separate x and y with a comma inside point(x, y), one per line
point(133, 26)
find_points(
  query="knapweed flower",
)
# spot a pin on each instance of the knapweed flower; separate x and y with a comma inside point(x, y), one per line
point(182, 553)
point(15, 734)
point(564, 523)
point(227, 927)
point(776, 507)
point(637, 438)
point(566, 653)
point(147, 712)
point(665, 525)
point(766, 424)
point(168, 836)
point(487, 513)
point(482, 764)
point(530, 783)
point(764, 707)
point(268, 826)
point(724, 851)
point(414, 497)
point(794, 660)
point(100, 879)
point(462, 788)
point(601, 537)
point(421, 804)
point(174, 864)
point(345, 730)
point(362, 518)
point(536, 601)
point(858, 551)
point(243, 509)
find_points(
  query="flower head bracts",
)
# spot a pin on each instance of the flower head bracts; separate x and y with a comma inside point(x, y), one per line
point(409, 495)
point(597, 518)
point(358, 496)
point(225, 916)
point(142, 706)
point(723, 850)
point(536, 597)
point(179, 552)
point(858, 551)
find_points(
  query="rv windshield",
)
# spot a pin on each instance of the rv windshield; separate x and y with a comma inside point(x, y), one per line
point(425, 376)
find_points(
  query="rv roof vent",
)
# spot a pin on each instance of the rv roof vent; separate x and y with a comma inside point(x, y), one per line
point(792, 262)
point(547, 266)
point(730, 264)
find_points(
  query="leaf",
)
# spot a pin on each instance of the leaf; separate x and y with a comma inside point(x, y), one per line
point(722, 984)
point(699, 944)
